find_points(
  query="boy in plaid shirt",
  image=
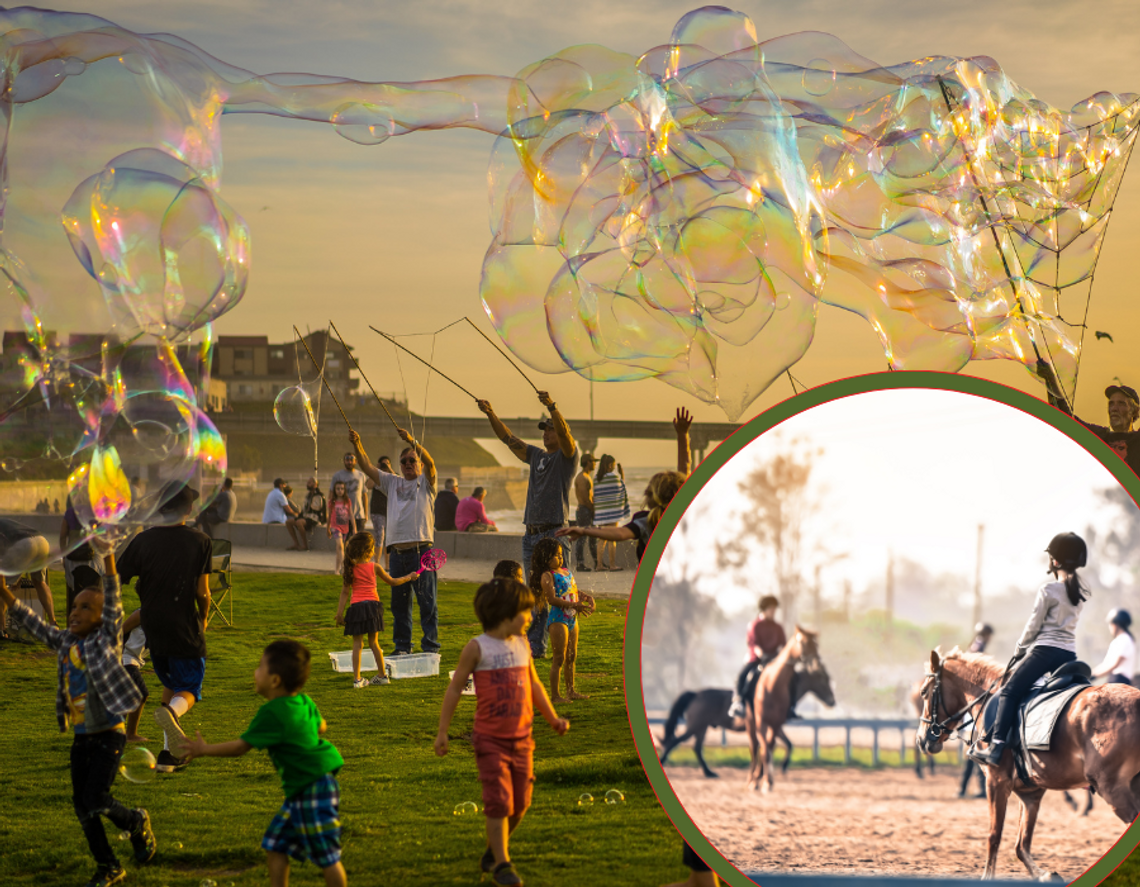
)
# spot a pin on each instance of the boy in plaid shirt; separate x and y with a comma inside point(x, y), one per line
point(94, 697)
point(291, 729)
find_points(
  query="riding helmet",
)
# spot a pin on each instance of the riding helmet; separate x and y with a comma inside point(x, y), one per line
point(1120, 617)
point(1068, 550)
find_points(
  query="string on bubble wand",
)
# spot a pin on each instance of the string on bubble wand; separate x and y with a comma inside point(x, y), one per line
point(424, 362)
point(506, 357)
point(320, 369)
point(1051, 375)
point(364, 377)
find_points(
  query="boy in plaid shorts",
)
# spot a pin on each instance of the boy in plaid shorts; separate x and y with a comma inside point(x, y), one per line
point(291, 729)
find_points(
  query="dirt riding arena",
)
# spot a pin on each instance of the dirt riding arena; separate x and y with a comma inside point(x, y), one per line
point(851, 821)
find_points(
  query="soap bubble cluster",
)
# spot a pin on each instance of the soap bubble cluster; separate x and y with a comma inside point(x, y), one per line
point(678, 215)
point(465, 808)
point(117, 255)
point(682, 215)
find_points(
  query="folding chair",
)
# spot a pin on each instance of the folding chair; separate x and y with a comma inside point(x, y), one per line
point(220, 582)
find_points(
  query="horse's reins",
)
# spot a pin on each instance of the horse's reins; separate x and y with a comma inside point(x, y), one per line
point(937, 729)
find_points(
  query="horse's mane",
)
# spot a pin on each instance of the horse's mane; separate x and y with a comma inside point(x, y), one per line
point(977, 668)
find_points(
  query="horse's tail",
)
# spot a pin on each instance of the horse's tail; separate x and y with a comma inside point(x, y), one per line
point(676, 711)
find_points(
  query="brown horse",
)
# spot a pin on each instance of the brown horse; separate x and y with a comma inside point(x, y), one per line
point(709, 708)
point(773, 699)
point(1096, 744)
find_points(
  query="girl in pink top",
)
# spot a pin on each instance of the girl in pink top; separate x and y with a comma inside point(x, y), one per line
point(507, 690)
point(365, 616)
point(342, 521)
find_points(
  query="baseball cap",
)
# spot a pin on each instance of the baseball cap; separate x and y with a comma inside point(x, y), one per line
point(181, 497)
point(1130, 393)
point(546, 423)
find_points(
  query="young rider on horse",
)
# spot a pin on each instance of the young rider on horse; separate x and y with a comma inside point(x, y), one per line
point(765, 639)
point(1048, 641)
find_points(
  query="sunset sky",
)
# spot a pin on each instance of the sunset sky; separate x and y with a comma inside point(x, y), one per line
point(394, 235)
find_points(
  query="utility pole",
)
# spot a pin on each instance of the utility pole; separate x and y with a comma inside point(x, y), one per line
point(890, 591)
point(816, 606)
point(978, 577)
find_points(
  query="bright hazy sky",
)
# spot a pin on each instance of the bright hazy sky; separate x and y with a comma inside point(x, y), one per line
point(916, 472)
point(394, 235)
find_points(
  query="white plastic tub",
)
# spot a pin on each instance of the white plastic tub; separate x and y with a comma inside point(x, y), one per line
point(469, 690)
point(412, 665)
point(343, 661)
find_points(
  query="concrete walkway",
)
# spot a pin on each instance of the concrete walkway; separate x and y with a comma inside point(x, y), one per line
point(254, 559)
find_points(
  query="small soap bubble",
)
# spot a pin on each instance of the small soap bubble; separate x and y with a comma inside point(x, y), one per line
point(585, 799)
point(613, 796)
point(466, 807)
point(177, 845)
point(9, 464)
point(124, 836)
point(207, 882)
point(138, 765)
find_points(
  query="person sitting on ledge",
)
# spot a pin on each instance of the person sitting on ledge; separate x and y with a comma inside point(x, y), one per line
point(471, 515)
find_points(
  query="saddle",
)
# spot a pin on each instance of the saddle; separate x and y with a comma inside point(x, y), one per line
point(1039, 712)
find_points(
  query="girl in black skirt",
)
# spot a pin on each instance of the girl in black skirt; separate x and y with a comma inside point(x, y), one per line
point(365, 616)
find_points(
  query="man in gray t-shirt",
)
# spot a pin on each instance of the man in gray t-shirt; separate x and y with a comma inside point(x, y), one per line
point(552, 471)
point(353, 479)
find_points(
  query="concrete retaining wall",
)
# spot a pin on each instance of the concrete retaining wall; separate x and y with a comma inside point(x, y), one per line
point(467, 546)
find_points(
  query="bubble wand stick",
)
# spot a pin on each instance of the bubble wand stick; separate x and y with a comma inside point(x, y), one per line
point(364, 377)
point(424, 362)
point(320, 370)
point(502, 352)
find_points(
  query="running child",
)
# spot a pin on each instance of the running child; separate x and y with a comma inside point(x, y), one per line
point(365, 616)
point(289, 727)
point(94, 697)
point(508, 690)
point(555, 583)
point(342, 521)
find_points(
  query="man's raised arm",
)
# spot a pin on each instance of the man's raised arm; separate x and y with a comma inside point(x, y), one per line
point(362, 460)
point(565, 440)
point(502, 432)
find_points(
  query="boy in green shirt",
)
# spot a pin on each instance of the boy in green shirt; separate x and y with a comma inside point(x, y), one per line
point(291, 729)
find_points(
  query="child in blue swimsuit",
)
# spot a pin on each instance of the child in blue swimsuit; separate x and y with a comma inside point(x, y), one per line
point(555, 583)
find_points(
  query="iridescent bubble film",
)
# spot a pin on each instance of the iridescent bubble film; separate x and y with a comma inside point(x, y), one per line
point(679, 215)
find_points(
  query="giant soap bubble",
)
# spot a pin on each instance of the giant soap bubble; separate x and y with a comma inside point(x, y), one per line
point(680, 215)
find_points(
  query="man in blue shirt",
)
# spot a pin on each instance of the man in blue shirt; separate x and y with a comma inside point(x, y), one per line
point(552, 471)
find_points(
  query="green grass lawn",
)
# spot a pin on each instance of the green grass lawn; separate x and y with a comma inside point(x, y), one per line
point(397, 798)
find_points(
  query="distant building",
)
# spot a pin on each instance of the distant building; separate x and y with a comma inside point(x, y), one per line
point(86, 350)
point(256, 370)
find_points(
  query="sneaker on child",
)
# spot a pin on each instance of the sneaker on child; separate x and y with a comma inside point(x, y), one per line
point(143, 840)
point(167, 763)
point(105, 876)
point(361, 684)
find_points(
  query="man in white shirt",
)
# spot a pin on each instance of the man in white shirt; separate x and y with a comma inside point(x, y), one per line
point(279, 511)
point(411, 532)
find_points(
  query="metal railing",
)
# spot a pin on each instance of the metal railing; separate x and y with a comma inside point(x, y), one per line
point(905, 726)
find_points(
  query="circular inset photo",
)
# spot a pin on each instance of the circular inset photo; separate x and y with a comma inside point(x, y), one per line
point(886, 632)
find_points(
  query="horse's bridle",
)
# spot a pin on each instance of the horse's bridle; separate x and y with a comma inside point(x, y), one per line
point(937, 729)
